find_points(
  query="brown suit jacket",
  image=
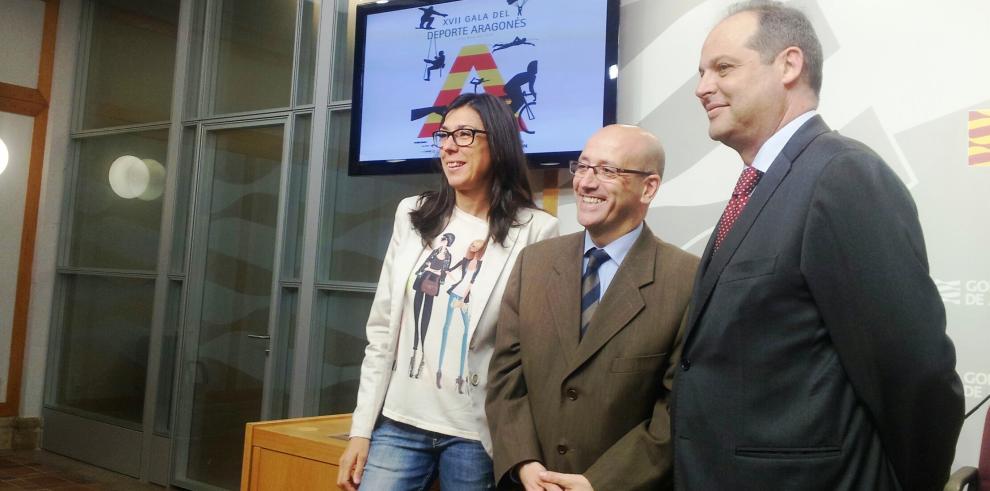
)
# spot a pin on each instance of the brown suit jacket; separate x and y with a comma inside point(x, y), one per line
point(596, 406)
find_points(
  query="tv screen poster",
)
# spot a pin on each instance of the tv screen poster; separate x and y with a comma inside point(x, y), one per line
point(547, 57)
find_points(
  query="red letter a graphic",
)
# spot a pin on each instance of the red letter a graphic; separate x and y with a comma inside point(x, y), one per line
point(475, 56)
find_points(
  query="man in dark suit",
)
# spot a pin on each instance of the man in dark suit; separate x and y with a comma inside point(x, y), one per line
point(815, 354)
point(588, 336)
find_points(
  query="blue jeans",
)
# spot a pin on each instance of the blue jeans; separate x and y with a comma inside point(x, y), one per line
point(404, 457)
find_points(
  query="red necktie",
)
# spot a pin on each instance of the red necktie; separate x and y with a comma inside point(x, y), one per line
point(740, 196)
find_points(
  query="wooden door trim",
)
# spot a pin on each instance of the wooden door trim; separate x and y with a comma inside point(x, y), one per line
point(29, 102)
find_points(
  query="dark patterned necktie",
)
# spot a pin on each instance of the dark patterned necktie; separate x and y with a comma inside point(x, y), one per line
point(740, 196)
point(591, 289)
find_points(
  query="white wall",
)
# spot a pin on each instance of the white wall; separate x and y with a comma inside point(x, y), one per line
point(900, 76)
point(15, 131)
point(21, 25)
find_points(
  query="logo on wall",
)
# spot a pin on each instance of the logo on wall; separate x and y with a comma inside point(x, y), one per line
point(970, 293)
point(979, 137)
point(976, 384)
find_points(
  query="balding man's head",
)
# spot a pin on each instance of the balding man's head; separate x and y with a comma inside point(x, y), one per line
point(610, 206)
point(632, 147)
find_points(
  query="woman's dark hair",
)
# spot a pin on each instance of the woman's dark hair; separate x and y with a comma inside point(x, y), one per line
point(510, 188)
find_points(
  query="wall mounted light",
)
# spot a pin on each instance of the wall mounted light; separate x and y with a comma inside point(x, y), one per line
point(4, 156)
point(131, 177)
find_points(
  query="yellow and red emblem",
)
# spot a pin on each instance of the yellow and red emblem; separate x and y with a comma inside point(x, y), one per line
point(478, 58)
point(979, 137)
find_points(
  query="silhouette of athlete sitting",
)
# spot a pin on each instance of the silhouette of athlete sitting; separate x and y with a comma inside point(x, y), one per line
point(518, 41)
point(435, 64)
point(426, 21)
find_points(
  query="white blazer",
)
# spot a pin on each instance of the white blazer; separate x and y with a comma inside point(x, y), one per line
point(401, 257)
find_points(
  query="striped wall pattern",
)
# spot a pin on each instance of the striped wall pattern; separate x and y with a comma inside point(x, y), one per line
point(979, 137)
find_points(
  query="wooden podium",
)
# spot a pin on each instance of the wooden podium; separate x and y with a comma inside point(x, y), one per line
point(294, 454)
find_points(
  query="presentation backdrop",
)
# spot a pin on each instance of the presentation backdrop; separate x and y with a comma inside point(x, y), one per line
point(547, 56)
point(907, 78)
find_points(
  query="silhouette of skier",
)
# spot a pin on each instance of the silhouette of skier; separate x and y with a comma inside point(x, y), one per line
point(426, 21)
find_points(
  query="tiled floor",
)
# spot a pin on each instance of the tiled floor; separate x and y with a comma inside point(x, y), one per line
point(39, 470)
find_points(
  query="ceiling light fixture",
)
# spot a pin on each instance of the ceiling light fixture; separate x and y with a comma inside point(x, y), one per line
point(4, 156)
point(131, 177)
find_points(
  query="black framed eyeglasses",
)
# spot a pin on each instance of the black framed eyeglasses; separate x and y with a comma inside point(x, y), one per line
point(463, 137)
point(603, 172)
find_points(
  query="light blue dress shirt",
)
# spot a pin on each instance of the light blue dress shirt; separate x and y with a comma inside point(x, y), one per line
point(616, 250)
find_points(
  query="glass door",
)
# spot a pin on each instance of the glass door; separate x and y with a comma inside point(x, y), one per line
point(104, 300)
point(227, 336)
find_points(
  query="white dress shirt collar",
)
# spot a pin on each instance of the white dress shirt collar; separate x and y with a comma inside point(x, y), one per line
point(775, 144)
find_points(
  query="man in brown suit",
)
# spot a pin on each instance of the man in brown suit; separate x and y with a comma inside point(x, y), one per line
point(588, 335)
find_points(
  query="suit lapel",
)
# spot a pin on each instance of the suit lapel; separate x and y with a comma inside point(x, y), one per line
point(621, 302)
point(707, 255)
point(564, 294)
point(768, 185)
point(496, 256)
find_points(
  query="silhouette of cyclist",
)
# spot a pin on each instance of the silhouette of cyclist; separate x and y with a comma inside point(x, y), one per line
point(514, 87)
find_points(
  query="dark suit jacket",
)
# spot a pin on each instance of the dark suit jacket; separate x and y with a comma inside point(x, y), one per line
point(595, 406)
point(815, 353)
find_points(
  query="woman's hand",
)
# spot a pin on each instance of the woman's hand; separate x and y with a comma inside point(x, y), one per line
point(352, 463)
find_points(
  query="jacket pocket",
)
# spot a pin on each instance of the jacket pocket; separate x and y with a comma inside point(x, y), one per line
point(637, 363)
point(749, 268)
point(788, 453)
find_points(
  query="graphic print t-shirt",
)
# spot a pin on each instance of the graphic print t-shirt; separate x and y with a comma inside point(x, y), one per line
point(429, 387)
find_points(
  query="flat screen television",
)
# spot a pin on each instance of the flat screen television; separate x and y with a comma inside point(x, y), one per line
point(554, 62)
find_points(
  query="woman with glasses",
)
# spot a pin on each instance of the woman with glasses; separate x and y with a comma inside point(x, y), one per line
point(408, 430)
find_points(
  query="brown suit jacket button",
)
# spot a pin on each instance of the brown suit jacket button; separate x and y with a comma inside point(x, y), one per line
point(572, 393)
point(561, 449)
